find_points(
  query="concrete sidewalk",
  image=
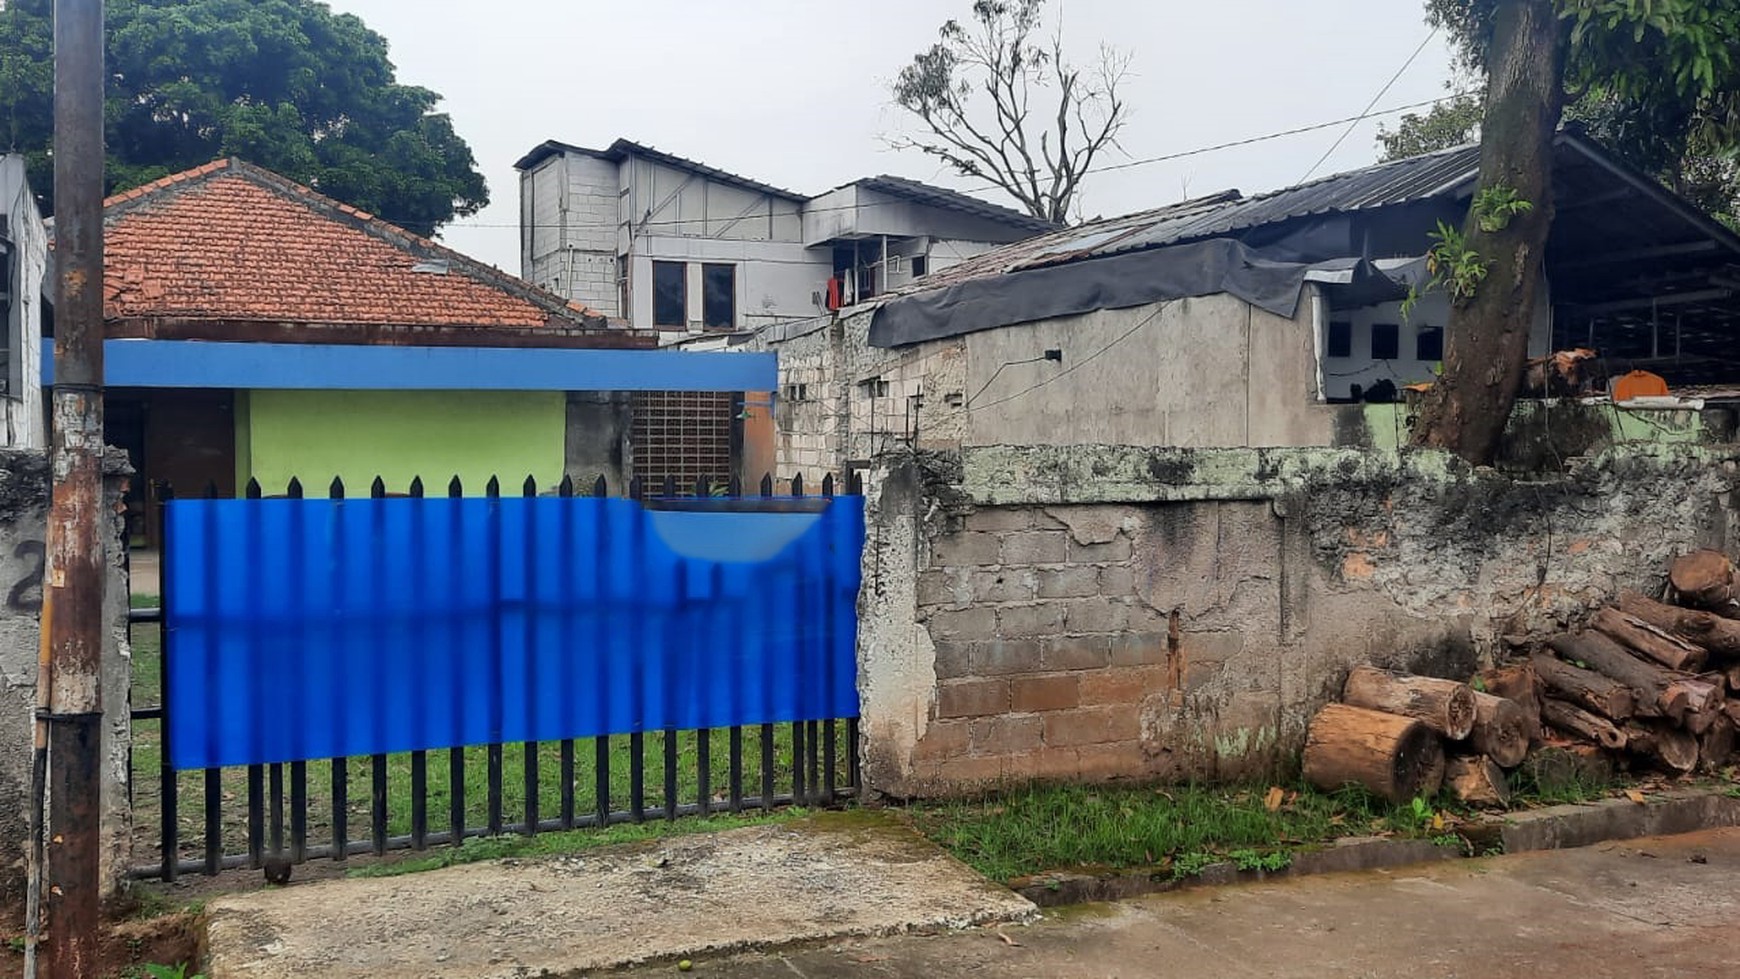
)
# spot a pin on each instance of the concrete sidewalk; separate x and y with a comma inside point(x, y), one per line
point(831, 876)
point(1644, 908)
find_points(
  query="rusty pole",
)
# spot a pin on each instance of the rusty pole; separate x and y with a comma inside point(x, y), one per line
point(73, 592)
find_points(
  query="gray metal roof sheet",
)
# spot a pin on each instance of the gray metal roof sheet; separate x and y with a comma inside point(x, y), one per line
point(953, 200)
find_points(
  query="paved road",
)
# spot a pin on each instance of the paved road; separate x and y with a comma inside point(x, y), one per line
point(1649, 908)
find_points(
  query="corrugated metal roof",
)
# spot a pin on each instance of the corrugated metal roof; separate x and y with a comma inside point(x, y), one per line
point(943, 197)
point(625, 147)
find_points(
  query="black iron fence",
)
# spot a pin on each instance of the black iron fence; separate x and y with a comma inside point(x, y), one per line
point(212, 817)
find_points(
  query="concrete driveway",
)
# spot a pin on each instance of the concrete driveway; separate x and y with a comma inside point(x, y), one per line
point(1644, 908)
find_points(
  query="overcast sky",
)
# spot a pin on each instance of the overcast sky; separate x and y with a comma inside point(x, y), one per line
point(795, 93)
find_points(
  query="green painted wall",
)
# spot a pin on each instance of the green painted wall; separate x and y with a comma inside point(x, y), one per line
point(357, 435)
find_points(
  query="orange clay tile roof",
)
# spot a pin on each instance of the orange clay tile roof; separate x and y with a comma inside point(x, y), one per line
point(232, 241)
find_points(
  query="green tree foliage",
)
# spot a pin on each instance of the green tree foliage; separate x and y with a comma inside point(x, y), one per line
point(1682, 125)
point(286, 84)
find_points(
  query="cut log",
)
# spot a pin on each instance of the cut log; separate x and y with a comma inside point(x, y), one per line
point(1704, 579)
point(1716, 746)
point(1673, 750)
point(1476, 780)
point(1398, 758)
point(1445, 706)
point(1665, 648)
point(1586, 688)
point(1704, 702)
point(1731, 676)
point(1517, 683)
point(1719, 635)
point(1501, 730)
point(1606, 657)
point(1579, 722)
point(1555, 768)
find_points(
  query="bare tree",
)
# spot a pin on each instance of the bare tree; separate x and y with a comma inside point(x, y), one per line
point(974, 91)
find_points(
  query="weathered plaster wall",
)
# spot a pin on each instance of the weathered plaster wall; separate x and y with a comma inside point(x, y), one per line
point(597, 442)
point(24, 487)
point(1107, 612)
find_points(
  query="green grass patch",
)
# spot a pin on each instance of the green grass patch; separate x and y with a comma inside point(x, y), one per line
point(553, 844)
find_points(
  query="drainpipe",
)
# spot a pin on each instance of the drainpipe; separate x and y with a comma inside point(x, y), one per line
point(73, 590)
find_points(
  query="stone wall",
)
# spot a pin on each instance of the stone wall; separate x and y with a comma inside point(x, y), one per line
point(1109, 612)
point(24, 487)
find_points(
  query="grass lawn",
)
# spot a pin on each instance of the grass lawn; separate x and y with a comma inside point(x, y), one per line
point(147, 777)
point(1071, 827)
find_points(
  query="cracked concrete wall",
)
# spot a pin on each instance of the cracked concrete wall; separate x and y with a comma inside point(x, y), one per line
point(24, 499)
point(1117, 612)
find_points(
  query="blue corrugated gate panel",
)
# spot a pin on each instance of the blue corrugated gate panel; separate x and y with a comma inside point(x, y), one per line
point(341, 367)
point(325, 628)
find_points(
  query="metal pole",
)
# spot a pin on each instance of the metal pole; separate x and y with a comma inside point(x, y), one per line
point(73, 592)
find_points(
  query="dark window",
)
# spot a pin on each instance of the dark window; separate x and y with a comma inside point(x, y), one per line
point(718, 296)
point(1386, 341)
point(1340, 340)
point(1429, 343)
point(670, 294)
point(920, 265)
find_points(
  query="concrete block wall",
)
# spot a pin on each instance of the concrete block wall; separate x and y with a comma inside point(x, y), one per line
point(1122, 613)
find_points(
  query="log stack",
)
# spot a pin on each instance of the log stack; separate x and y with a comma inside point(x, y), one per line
point(1646, 684)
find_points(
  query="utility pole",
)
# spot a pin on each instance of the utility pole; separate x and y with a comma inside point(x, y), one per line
point(73, 592)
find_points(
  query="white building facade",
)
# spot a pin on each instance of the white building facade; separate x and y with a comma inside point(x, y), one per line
point(23, 263)
point(686, 249)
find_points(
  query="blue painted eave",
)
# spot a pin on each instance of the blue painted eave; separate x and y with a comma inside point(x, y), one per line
point(334, 367)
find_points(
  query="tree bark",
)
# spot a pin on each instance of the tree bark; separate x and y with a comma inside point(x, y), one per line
point(1673, 750)
point(1486, 344)
point(1716, 746)
point(1575, 720)
point(1398, 758)
point(1668, 650)
point(1476, 780)
point(1445, 706)
point(1518, 684)
point(1731, 676)
point(1501, 730)
point(1713, 632)
point(1586, 688)
point(1704, 702)
point(1608, 658)
point(1705, 579)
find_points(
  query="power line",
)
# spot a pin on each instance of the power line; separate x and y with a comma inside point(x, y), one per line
point(1374, 101)
point(1126, 165)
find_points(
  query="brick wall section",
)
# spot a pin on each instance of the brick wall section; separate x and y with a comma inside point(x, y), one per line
point(1045, 653)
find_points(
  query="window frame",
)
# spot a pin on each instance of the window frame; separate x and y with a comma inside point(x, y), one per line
point(1420, 335)
point(1341, 330)
point(682, 269)
point(1393, 336)
point(707, 296)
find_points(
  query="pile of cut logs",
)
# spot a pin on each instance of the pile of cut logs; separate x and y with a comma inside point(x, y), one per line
point(1648, 684)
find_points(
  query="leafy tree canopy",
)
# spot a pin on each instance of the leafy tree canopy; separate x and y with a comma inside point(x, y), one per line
point(1681, 124)
point(286, 84)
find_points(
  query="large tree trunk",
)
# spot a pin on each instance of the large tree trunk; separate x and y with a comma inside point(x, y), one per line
point(1445, 706)
point(1398, 758)
point(1487, 341)
point(1706, 629)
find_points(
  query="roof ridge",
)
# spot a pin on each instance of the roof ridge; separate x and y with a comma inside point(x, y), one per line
point(161, 183)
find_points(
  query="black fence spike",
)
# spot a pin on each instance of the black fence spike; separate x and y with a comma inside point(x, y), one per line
point(529, 487)
point(828, 485)
point(566, 486)
point(455, 487)
point(493, 487)
point(294, 489)
point(670, 488)
point(855, 483)
point(378, 488)
point(416, 488)
point(253, 490)
point(336, 490)
point(797, 485)
point(703, 486)
point(734, 487)
point(767, 484)
point(600, 487)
